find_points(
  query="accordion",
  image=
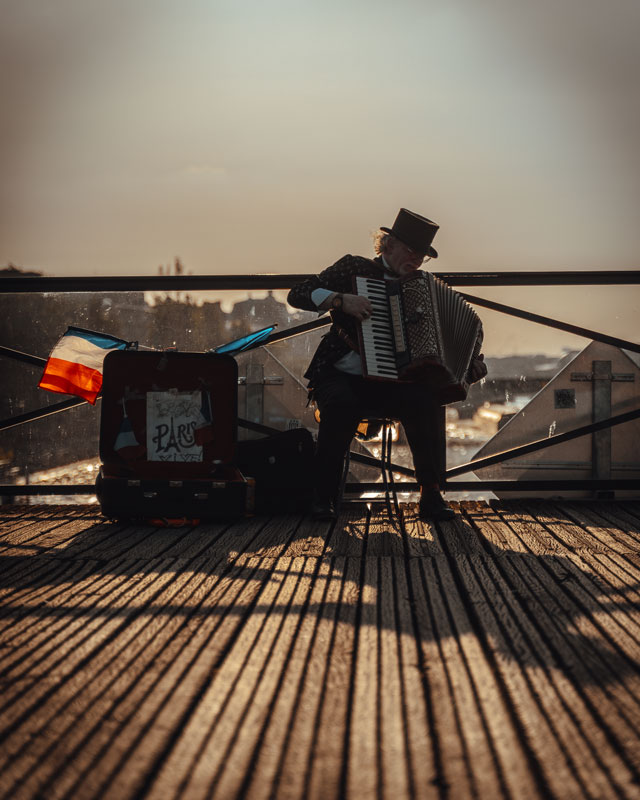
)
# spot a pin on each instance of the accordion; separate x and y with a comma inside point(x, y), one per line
point(420, 330)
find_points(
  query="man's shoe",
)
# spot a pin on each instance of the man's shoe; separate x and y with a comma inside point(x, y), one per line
point(322, 510)
point(433, 507)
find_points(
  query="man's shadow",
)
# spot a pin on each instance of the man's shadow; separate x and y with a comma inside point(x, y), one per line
point(548, 609)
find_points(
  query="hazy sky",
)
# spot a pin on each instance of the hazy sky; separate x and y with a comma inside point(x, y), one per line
point(274, 136)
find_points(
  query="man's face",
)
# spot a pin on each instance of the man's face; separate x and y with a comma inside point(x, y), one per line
point(402, 259)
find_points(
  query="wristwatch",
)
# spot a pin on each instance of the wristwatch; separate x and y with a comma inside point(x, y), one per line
point(336, 301)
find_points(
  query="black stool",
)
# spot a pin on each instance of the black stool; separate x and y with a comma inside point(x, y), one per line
point(390, 493)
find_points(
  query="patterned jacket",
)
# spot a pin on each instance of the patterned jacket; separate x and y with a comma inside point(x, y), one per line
point(343, 333)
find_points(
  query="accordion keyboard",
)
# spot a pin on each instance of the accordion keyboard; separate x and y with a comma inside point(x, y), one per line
point(378, 337)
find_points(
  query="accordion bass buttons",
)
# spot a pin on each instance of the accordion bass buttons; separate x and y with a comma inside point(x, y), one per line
point(396, 320)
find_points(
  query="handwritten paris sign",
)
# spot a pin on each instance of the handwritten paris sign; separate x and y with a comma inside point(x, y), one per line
point(172, 419)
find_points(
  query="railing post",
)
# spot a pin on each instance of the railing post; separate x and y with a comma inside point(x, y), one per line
point(255, 392)
point(601, 441)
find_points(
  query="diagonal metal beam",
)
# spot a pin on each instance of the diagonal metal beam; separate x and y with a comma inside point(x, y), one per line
point(552, 323)
point(296, 330)
point(542, 444)
point(26, 358)
point(31, 416)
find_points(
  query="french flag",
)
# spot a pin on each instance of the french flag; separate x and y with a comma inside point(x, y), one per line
point(126, 443)
point(203, 432)
point(75, 363)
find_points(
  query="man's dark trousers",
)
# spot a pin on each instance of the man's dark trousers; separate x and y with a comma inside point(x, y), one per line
point(343, 400)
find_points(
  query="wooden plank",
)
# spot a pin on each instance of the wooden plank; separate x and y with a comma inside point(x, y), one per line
point(420, 541)
point(495, 655)
point(135, 540)
point(594, 737)
point(309, 539)
point(623, 514)
point(328, 764)
point(384, 534)
point(568, 622)
point(418, 728)
point(67, 716)
point(588, 680)
point(291, 721)
point(348, 534)
point(475, 693)
point(146, 542)
point(523, 531)
point(227, 542)
point(493, 531)
point(395, 779)
point(27, 578)
point(123, 745)
point(244, 736)
point(561, 757)
point(569, 535)
point(14, 511)
point(274, 539)
point(455, 536)
point(451, 759)
point(36, 591)
point(617, 581)
point(47, 632)
point(46, 534)
point(296, 756)
point(23, 520)
point(188, 767)
point(57, 661)
point(452, 774)
point(363, 768)
point(606, 648)
point(610, 537)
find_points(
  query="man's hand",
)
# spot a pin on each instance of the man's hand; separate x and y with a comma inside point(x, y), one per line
point(477, 369)
point(356, 306)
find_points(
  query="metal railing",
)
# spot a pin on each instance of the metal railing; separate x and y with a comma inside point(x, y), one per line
point(37, 284)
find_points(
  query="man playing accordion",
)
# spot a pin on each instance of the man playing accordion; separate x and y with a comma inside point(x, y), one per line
point(336, 382)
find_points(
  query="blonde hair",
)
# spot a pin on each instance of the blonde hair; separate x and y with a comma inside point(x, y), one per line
point(380, 239)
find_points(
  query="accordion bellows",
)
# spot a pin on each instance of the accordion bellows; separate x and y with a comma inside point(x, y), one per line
point(420, 330)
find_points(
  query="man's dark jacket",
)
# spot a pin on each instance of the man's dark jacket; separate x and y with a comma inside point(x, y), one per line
point(343, 334)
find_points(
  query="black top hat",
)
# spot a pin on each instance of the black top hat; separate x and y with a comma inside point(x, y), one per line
point(415, 231)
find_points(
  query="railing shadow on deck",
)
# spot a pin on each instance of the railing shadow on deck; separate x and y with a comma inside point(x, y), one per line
point(551, 591)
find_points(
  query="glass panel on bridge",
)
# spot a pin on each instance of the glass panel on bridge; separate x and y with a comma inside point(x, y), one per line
point(522, 359)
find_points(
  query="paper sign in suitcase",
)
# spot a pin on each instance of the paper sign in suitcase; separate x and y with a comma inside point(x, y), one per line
point(168, 432)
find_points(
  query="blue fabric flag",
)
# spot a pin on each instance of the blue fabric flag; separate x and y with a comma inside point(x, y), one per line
point(245, 342)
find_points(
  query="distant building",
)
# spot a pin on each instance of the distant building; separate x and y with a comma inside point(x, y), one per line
point(10, 271)
point(601, 381)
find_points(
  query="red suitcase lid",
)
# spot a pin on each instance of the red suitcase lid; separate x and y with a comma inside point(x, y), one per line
point(167, 413)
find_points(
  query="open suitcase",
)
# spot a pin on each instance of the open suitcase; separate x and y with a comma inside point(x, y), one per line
point(168, 430)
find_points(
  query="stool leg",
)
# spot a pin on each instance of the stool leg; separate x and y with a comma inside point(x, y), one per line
point(387, 473)
point(345, 475)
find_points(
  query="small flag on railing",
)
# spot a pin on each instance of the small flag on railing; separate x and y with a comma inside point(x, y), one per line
point(126, 444)
point(203, 432)
point(75, 363)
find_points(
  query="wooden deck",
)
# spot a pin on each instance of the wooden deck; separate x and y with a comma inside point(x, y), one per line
point(494, 656)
